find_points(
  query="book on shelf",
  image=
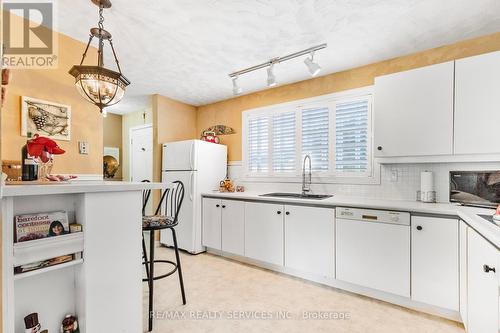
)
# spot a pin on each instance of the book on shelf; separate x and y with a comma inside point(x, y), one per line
point(40, 225)
point(42, 264)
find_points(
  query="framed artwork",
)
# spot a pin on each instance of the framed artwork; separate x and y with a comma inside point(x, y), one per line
point(45, 118)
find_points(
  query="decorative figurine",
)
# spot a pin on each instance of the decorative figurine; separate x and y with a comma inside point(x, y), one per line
point(69, 324)
point(226, 185)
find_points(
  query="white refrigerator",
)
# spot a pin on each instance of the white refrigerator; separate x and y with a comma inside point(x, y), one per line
point(200, 166)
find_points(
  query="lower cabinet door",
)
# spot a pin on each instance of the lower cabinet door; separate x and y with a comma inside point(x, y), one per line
point(211, 232)
point(482, 286)
point(264, 232)
point(434, 254)
point(309, 239)
point(233, 226)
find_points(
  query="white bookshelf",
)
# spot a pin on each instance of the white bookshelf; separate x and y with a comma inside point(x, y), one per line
point(46, 248)
point(73, 262)
point(102, 287)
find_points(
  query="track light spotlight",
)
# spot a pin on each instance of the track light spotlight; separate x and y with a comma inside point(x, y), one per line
point(313, 67)
point(271, 79)
point(236, 89)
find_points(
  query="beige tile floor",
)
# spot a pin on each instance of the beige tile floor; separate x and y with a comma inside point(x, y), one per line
point(219, 288)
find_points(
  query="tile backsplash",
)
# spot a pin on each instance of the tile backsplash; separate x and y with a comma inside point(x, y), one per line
point(402, 187)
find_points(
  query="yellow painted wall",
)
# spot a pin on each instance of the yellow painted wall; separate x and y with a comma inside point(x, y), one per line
point(172, 121)
point(112, 137)
point(229, 112)
point(58, 86)
point(128, 121)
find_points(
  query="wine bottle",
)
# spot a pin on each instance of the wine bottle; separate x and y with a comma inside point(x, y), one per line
point(29, 165)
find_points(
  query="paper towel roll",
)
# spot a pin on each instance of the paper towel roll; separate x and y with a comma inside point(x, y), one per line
point(426, 181)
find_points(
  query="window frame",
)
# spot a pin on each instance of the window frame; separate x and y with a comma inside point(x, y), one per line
point(372, 176)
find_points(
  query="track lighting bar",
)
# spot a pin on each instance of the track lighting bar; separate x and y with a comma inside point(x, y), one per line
point(278, 60)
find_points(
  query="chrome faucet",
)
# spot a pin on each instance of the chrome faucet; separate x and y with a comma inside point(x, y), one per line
point(306, 185)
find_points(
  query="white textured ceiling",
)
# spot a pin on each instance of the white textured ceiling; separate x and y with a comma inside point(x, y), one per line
point(184, 49)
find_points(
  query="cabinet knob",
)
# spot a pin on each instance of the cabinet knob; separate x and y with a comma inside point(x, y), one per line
point(278, 212)
point(379, 148)
point(217, 205)
point(419, 227)
point(287, 213)
point(488, 269)
point(223, 206)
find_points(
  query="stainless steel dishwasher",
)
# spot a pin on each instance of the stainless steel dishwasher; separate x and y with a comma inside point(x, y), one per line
point(373, 249)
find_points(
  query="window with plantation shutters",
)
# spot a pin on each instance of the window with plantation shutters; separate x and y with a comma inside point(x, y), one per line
point(352, 127)
point(284, 134)
point(258, 144)
point(315, 137)
point(334, 130)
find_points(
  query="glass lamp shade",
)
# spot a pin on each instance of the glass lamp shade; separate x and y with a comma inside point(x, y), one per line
point(98, 85)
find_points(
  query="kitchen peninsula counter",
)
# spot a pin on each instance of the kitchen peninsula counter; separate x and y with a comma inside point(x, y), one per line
point(102, 285)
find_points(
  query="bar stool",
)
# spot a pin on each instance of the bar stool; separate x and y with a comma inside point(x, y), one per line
point(172, 197)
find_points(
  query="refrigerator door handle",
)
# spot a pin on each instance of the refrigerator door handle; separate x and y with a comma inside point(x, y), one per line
point(191, 157)
point(191, 186)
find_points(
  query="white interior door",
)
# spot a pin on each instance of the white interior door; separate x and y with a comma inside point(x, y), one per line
point(141, 153)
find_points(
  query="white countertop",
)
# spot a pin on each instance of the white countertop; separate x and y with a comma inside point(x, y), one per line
point(468, 214)
point(77, 187)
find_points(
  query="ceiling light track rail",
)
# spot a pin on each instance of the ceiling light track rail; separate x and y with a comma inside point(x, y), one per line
point(279, 60)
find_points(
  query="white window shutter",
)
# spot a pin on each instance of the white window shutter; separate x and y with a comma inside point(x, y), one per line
point(352, 137)
point(258, 144)
point(315, 137)
point(284, 137)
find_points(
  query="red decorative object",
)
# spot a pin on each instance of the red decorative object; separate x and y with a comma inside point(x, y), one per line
point(210, 137)
point(43, 147)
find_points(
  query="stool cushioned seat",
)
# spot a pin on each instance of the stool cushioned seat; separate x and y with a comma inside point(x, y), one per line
point(157, 222)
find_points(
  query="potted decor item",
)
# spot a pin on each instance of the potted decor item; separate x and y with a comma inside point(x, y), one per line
point(43, 149)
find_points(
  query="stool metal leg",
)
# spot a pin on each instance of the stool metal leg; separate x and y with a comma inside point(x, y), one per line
point(178, 260)
point(145, 256)
point(151, 275)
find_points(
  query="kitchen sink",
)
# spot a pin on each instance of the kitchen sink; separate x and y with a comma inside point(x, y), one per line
point(297, 195)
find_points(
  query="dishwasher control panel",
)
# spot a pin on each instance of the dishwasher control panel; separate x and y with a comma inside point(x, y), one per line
point(372, 215)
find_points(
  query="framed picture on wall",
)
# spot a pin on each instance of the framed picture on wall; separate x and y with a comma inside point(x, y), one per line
point(45, 118)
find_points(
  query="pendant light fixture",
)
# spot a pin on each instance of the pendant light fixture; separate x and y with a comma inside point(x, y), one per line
point(99, 85)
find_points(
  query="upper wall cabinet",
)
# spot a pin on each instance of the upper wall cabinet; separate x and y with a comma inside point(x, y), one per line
point(477, 111)
point(414, 112)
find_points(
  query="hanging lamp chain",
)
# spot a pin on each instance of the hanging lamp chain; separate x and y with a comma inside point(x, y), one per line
point(100, 51)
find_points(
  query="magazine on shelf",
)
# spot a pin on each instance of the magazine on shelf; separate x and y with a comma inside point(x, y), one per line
point(40, 225)
point(42, 264)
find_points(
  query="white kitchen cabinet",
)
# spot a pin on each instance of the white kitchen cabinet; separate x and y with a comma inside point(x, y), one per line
point(482, 278)
point(212, 220)
point(414, 112)
point(233, 227)
point(435, 261)
point(223, 225)
point(309, 239)
point(264, 232)
point(463, 271)
point(477, 113)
